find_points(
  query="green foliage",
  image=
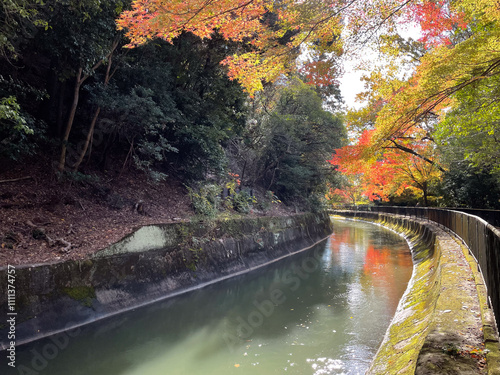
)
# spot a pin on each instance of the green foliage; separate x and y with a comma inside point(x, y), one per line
point(10, 112)
point(238, 199)
point(472, 127)
point(268, 200)
point(51, 41)
point(317, 203)
point(302, 137)
point(79, 35)
point(467, 186)
point(212, 106)
point(138, 117)
point(206, 199)
point(242, 201)
point(169, 108)
point(468, 139)
point(175, 104)
point(16, 130)
point(19, 20)
point(271, 197)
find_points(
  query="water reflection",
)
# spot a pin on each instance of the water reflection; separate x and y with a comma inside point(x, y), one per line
point(324, 311)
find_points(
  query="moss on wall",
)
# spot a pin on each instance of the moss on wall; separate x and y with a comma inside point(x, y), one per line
point(83, 294)
point(437, 328)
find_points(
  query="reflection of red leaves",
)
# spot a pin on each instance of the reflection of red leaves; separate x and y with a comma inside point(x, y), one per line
point(374, 258)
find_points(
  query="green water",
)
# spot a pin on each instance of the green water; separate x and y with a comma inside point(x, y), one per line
point(324, 311)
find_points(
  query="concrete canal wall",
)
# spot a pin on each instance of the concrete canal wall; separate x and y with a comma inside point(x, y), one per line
point(443, 323)
point(152, 263)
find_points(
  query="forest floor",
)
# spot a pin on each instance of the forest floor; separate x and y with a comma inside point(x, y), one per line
point(45, 220)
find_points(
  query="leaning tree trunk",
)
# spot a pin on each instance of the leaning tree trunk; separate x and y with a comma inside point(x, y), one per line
point(87, 140)
point(90, 133)
point(80, 78)
point(71, 118)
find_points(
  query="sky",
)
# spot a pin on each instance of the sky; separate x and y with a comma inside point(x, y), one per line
point(350, 83)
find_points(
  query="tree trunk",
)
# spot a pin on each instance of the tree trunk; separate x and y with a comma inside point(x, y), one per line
point(71, 118)
point(131, 149)
point(274, 174)
point(87, 140)
point(426, 201)
point(90, 133)
point(243, 173)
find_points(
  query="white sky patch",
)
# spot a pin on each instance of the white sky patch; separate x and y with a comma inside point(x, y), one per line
point(351, 84)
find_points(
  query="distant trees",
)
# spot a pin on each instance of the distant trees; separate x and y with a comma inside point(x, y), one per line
point(287, 141)
point(467, 186)
point(384, 174)
point(302, 137)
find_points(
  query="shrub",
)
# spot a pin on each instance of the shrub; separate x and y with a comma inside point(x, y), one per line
point(242, 201)
point(206, 199)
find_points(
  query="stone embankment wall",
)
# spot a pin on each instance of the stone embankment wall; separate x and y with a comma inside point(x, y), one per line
point(152, 263)
point(443, 323)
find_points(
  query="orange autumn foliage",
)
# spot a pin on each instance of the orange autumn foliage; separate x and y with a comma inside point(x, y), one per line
point(384, 173)
point(273, 33)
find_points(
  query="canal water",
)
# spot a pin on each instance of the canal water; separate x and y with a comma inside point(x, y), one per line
point(323, 311)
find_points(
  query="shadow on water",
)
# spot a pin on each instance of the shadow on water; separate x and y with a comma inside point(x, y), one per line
point(323, 311)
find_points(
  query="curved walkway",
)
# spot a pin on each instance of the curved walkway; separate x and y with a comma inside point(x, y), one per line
point(455, 343)
point(443, 324)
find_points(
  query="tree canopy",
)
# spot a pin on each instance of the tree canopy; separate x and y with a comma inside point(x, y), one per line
point(271, 33)
point(445, 108)
point(199, 89)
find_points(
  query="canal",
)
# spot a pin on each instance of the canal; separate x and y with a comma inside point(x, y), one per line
point(323, 311)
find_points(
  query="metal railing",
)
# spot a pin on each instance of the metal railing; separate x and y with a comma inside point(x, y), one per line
point(491, 216)
point(477, 230)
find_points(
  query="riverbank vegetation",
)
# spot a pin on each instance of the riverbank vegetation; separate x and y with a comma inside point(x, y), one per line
point(137, 112)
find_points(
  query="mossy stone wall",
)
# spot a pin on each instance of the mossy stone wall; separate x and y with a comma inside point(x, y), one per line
point(436, 312)
point(152, 263)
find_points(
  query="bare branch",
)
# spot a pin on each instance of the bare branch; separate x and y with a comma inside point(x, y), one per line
point(413, 152)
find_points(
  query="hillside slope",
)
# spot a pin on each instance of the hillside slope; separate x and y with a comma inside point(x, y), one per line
point(43, 219)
